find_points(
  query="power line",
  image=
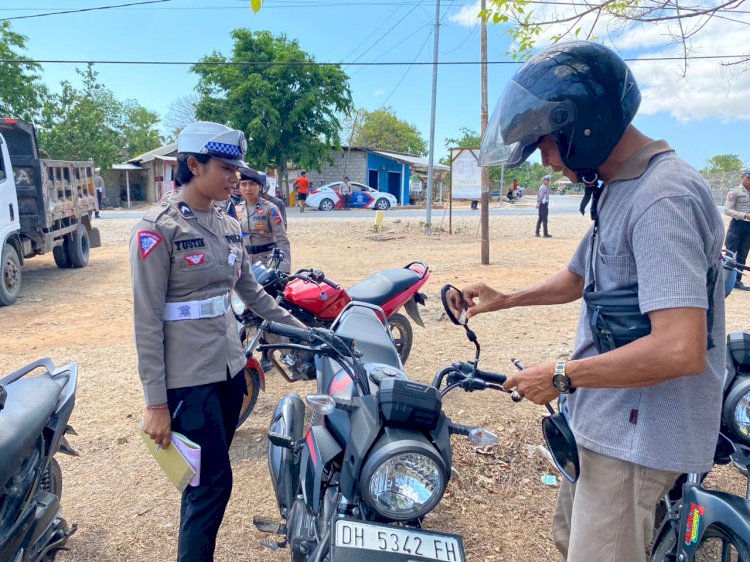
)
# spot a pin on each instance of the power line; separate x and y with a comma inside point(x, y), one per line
point(315, 63)
point(408, 68)
point(79, 10)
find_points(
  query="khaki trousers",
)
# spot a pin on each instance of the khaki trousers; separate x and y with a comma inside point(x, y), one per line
point(608, 515)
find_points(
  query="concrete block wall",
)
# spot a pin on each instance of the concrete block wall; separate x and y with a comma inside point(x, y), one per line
point(356, 168)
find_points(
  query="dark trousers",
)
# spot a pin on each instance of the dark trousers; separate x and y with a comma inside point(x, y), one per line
point(738, 240)
point(208, 416)
point(99, 195)
point(542, 220)
point(346, 197)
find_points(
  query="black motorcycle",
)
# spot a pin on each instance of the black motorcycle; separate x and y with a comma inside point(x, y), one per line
point(376, 458)
point(34, 414)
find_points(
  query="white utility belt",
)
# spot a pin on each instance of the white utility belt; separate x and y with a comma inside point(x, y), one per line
point(196, 310)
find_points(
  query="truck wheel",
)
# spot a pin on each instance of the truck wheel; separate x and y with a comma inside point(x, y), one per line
point(10, 276)
point(77, 247)
point(61, 256)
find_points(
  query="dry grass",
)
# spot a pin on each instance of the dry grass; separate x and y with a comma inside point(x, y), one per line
point(125, 508)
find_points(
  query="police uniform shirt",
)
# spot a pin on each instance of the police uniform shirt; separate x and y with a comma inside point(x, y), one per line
point(178, 254)
point(263, 227)
point(738, 203)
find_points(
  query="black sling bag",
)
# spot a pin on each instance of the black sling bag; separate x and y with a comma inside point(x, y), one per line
point(615, 316)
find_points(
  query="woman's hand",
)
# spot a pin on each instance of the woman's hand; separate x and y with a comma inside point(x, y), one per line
point(158, 425)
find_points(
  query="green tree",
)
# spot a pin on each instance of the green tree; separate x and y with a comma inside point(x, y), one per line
point(21, 90)
point(722, 164)
point(288, 112)
point(91, 123)
point(383, 129)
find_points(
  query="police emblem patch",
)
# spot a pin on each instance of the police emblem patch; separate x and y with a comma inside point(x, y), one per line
point(195, 259)
point(276, 216)
point(183, 311)
point(260, 212)
point(148, 241)
point(186, 210)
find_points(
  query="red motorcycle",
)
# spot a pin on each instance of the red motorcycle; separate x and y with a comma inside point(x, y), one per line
point(316, 301)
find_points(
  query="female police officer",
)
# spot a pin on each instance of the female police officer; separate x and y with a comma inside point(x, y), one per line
point(186, 257)
point(262, 224)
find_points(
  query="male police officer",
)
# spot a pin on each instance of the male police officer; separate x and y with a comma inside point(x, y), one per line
point(738, 235)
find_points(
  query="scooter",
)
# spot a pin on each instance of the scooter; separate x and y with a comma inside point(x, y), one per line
point(34, 415)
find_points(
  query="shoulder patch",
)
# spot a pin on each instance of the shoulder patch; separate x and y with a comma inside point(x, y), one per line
point(731, 196)
point(276, 216)
point(148, 240)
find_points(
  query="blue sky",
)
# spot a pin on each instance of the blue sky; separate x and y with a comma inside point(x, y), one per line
point(700, 115)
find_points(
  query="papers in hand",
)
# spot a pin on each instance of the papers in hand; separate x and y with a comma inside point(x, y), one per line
point(181, 461)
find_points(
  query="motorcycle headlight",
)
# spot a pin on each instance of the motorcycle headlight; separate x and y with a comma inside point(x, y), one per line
point(403, 479)
point(737, 409)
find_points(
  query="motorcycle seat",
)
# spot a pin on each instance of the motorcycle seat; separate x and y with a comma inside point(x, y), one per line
point(28, 408)
point(372, 339)
point(382, 286)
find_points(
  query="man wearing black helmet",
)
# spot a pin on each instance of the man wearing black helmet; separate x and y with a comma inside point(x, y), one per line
point(642, 409)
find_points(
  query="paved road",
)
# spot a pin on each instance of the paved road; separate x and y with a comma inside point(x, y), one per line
point(559, 205)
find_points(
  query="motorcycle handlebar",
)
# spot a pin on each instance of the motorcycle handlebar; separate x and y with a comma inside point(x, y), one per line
point(292, 332)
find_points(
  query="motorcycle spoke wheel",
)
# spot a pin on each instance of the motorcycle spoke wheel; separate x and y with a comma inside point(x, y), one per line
point(402, 335)
point(252, 380)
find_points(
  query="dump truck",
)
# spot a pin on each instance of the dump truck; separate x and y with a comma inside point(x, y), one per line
point(45, 206)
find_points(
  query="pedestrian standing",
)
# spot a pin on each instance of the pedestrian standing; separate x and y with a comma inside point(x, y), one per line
point(542, 203)
point(346, 192)
point(738, 234)
point(261, 222)
point(268, 196)
point(186, 257)
point(302, 185)
point(99, 187)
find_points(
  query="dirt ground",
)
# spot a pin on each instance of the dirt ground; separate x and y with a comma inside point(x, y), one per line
point(125, 508)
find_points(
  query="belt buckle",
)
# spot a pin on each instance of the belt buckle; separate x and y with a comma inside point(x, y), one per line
point(206, 309)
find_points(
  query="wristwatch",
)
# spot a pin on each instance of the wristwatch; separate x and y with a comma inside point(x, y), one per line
point(561, 381)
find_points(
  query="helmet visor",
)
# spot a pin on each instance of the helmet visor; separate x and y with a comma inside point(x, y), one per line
point(517, 125)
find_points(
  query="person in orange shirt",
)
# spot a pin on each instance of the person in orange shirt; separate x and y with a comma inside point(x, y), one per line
point(302, 185)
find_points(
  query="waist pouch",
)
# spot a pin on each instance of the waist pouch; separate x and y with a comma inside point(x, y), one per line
point(615, 318)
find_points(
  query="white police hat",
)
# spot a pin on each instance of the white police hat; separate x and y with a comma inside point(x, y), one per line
point(547, 177)
point(215, 140)
point(745, 171)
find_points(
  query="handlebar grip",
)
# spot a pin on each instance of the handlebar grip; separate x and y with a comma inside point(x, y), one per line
point(497, 378)
point(302, 334)
point(330, 282)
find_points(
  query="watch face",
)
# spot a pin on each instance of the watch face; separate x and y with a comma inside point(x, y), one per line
point(562, 383)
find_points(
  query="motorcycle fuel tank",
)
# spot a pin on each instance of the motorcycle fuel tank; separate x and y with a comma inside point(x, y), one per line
point(322, 300)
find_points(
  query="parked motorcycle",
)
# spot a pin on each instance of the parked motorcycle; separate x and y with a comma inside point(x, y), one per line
point(316, 300)
point(34, 414)
point(376, 458)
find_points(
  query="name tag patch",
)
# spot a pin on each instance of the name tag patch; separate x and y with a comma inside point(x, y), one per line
point(233, 238)
point(195, 259)
point(148, 241)
point(190, 244)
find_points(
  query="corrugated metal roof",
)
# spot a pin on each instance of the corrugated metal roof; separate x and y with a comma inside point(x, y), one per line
point(166, 150)
point(126, 166)
point(416, 161)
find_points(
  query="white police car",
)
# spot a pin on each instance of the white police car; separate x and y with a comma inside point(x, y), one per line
point(327, 197)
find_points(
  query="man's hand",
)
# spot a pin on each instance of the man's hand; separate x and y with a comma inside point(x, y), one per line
point(534, 383)
point(747, 216)
point(158, 425)
point(489, 299)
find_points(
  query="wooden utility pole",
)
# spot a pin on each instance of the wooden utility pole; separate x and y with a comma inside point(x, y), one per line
point(484, 212)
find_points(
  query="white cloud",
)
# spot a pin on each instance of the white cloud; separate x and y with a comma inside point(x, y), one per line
point(377, 93)
point(467, 15)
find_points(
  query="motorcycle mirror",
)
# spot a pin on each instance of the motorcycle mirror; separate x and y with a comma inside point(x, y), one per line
point(454, 304)
point(562, 444)
point(321, 403)
point(480, 437)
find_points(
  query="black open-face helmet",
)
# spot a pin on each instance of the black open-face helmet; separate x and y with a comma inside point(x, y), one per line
point(581, 93)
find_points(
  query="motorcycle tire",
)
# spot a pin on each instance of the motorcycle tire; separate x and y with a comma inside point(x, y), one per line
point(52, 482)
point(402, 334)
point(252, 379)
point(717, 544)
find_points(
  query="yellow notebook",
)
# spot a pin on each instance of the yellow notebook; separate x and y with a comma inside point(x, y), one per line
point(181, 461)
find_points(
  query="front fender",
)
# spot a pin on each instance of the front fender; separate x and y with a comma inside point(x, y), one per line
point(703, 508)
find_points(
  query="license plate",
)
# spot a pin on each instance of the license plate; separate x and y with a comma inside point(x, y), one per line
point(355, 539)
